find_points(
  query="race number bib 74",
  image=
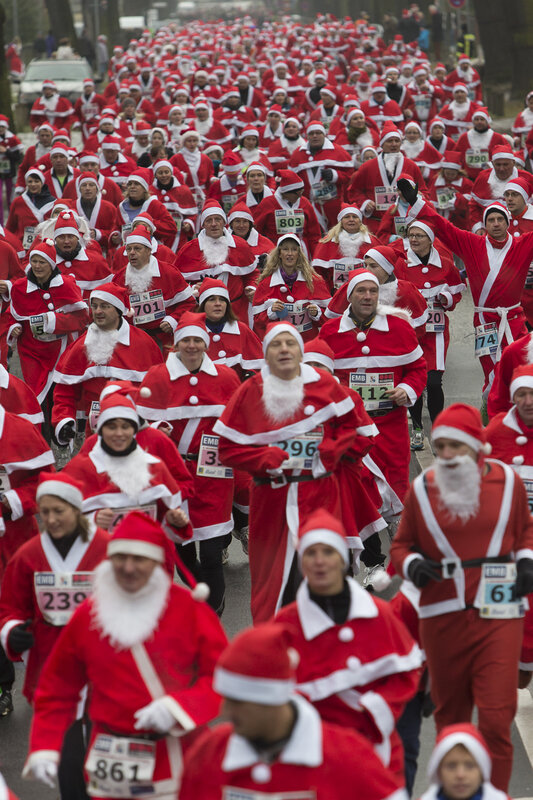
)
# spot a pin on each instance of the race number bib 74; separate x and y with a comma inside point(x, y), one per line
point(486, 339)
point(60, 593)
point(120, 767)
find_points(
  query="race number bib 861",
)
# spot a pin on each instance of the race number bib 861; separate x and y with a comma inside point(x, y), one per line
point(120, 767)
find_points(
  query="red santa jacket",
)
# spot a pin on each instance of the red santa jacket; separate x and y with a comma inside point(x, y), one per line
point(119, 171)
point(160, 251)
point(279, 153)
point(235, 346)
point(102, 219)
point(180, 204)
point(390, 111)
point(296, 299)
point(476, 150)
point(198, 178)
point(451, 199)
point(79, 379)
point(33, 154)
point(87, 111)
point(53, 183)
point(259, 244)
point(227, 193)
point(165, 227)
point(29, 592)
point(234, 120)
point(274, 217)
point(325, 196)
point(333, 266)
point(517, 353)
point(56, 110)
point(458, 117)
point(88, 269)
point(470, 77)
point(24, 217)
point(17, 398)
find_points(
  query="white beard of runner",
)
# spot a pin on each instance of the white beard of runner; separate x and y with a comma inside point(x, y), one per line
point(138, 280)
point(100, 345)
point(459, 487)
point(282, 399)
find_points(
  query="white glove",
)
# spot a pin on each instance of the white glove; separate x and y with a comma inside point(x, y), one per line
point(45, 771)
point(155, 716)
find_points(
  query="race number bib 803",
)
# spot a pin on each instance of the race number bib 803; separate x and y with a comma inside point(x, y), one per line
point(372, 387)
point(301, 449)
point(209, 464)
point(60, 593)
point(147, 306)
point(120, 767)
point(486, 339)
point(289, 222)
point(498, 598)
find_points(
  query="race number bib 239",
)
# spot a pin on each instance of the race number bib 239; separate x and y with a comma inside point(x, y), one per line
point(60, 593)
point(120, 767)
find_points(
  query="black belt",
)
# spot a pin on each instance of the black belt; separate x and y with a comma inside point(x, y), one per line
point(149, 737)
point(449, 565)
point(190, 457)
point(379, 413)
point(282, 480)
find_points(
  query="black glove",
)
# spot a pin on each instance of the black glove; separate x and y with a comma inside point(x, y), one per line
point(20, 638)
point(327, 175)
point(524, 577)
point(261, 259)
point(408, 192)
point(428, 706)
point(421, 572)
point(67, 432)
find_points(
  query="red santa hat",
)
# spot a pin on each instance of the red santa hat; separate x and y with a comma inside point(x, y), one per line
point(212, 207)
point(256, 165)
point(188, 133)
point(462, 423)
point(241, 211)
point(233, 91)
point(482, 111)
point(318, 351)
point(460, 87)
point(142, 176)
point(288, 180)
point(49, 84)
point(231, 162)
point(423, 227)
point(257, 667)
point(87, 177)
point(117, 296)
point(87, 157)
point(275, 328)
point(413, 124)
point(436, 121)
point(464, 59)
point(384, 256)
point(275, 109)
point(293, 119)
point(59, 149)
point(140, 236)
point(191, 324)
point(522, 377)
point(496, 206)
point(63, 485)
point(61, 133)
point(210, 147)
point(117, 406)
point(321, 527)
point(66, 223)
point(358, 276)
point(388, 131)
point(502, 151)
point(201, 103)
point(377, 87)
point(451, 160)
point(249, 130)
point(210, 287)
point(45, 127)
point(351, 114)
point(110, 143)
point(315, 125)
point(519, 185)
point(144, 218)
point(519, 158)
point(346, 208)
point(142, 128)
point(329, 90)
point(35, 172)
point(461, 733)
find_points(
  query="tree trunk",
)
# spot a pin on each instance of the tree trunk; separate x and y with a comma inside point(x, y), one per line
point(492, 18)
point(61, 22)
point(520, 18)
point(109, 22)
point(5, 85)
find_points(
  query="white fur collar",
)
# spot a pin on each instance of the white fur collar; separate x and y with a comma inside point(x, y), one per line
point(130, 473)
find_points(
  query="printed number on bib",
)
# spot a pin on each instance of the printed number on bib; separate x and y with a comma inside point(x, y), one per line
point(526, 474)
point(445, 197)
point(372, 387)
point(400, 226)
point(384, 197)
point(209, 464)
point(322, 192)
point(228, 201)
point(301, 449)
point(486, 339)
point(29, 237)
point(5, 165)
point(147, 306)
point(288, 222)
point(120, 513)
point(498, 599)
point(476, 158)
point(37, 329)
point(436, 318)
point(233, 793)
point(127, 228)
point(299, 316)
point(529, 277)
point(176, 216)
point(120, 767)
point(341, 272)
point(5, 484)
point(528, 486)
point(60, 593)
point(94, 413)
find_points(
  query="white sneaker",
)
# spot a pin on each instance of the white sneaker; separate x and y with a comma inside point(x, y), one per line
point(376, 577)
point(225, 556)
point(242, 536)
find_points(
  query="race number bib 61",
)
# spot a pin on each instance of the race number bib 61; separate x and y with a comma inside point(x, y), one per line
point(120, 767)
point(60, 593)
point(384, 197)
point(486, 339)
point(301, 449)
point(147, 306)
point(289, 222)
point(498, 598)
point(209, 464)
point(372, 387)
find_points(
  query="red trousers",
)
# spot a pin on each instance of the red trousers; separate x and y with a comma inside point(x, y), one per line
point(474, 662)
point(392, 451)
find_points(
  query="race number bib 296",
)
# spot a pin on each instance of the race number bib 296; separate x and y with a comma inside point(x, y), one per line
point(60, 593)
point(301, 449)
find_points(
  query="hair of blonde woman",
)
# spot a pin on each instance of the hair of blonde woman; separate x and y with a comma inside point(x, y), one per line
point(273, 263)
point(333, 234)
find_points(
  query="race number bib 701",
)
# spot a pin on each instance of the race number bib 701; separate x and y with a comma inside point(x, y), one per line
point(120, 767)
point(498, 598)
point(372, 387)
point(147, 306)
point(60, 593)
point(301, 449)
point(385, 197)
point(289, 222)
point(209, 464)
point(486, 339)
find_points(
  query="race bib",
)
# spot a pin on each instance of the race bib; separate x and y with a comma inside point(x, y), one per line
point(120, 767)
point(60, 593)
point(298, 315)
point(498, 599)
point(5, 484)
point(445, 197)
point(37, 329)
point(526, 474)
point(147, 306)
point(5, 165)
point(529, 277)
point(231, 793)
point(94, 413)
point(423, 102)
point(28, 238)
point(478, 159)
point(372, 387)
point(127, 228)
point(436, 322)
point(120, 513)
point(301, 449)
point(228, 201)
point(486, 339)
point(209, 465)
point(289, 222)
point(384, 197)
point(90, 110)
point(400, 226)
point(322, 191)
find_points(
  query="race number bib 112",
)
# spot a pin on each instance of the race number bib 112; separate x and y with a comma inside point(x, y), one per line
point(498, 598)
point(486, 339)
point(209, 464)
point(120, 767)
point(147, 306)
point(301, 449)
point(372, 387)
point(384, 197)
point(60, 593)
point(120, 513)
point(289, 222)
point(436, 318)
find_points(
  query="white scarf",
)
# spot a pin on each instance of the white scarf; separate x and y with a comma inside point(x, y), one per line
point(203, 126)
point(412, 149)
point(191, 159)
point(291, 144)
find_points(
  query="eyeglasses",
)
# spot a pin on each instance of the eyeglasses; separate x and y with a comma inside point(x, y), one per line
point(416, 236)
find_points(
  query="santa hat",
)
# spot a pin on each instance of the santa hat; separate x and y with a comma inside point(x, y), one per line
point(60, 133)
point(201, 104)
point(522, 378)
point(519, 158)
point(315, 125)
point(45, 127)
point(378, 87)
point(295, 120)
point(88, 82)
point(389, 130)
point(45, 249)
point(250, 130)
point(459, 87)
point(392, 69)
point(257, 667)
point(87, 158)
point(210, 147)
point(49, 84)
point(212, 207)
point(275, 109)
point(496, 206)
point(463, 424)
point(482, 111)
point(35, 172)
point(191, 324)
point(464, 59)
point(413, 124)
point(110, 143)
point(117, 406)
point(385, 256)
point(231, 162)
point(142, 176)
point(210, 287)
point(519, 185)
point(63, 485)
point(317, 350)
point(87, 177)
point(329, 91)
point(461, 733)
point(436, 121)
point(125, 388)
point(321, 527)
point(233, 91)
point(140, 236)
point(162, 162)
point(502, 151)
point(59, 149)
point(451, 160)
point(145, 219)
point(423, 227)
point(66, 223)
point(142, 128)
point(351, 114)
point(288, 180)
point(241, 211)
point(188, 133)
point(346, 208)
point(358, 276)
point(256, 165)
point(275, 328)
point(113, 294)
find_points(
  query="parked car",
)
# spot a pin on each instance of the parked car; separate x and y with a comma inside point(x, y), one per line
point(68, 76)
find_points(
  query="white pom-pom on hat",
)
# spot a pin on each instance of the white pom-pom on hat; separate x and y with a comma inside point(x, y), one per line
point(381, 582)
point(294, 657)
point(145, 392)
point(200, 592)
point(487, 448)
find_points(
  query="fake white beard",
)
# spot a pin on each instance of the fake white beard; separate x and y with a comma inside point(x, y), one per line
point(191, 159)
point(100, 345)
point(138, 150)
point(527, 116)
point(350, 243)
point(390, 160)
point(50, 103)
point(388, 293)
point(128, 618)
point(215, 251)
point(460, 487)
point(138, 280)
point(203, 126)
point(41, 151)
point(497, 187)
point(249, 155)
point(412, 149)
point(480, 140)
point(282, 399)
point(459, 110)
point(130, 473)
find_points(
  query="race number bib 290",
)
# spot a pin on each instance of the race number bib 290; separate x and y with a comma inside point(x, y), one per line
point(209, 464)
point(289, 222)
point(60, 593)
point(372, 387)
point(301, 449)
point(120, 767)
point(498, 598)
point(147, 306)
point(486, 339)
